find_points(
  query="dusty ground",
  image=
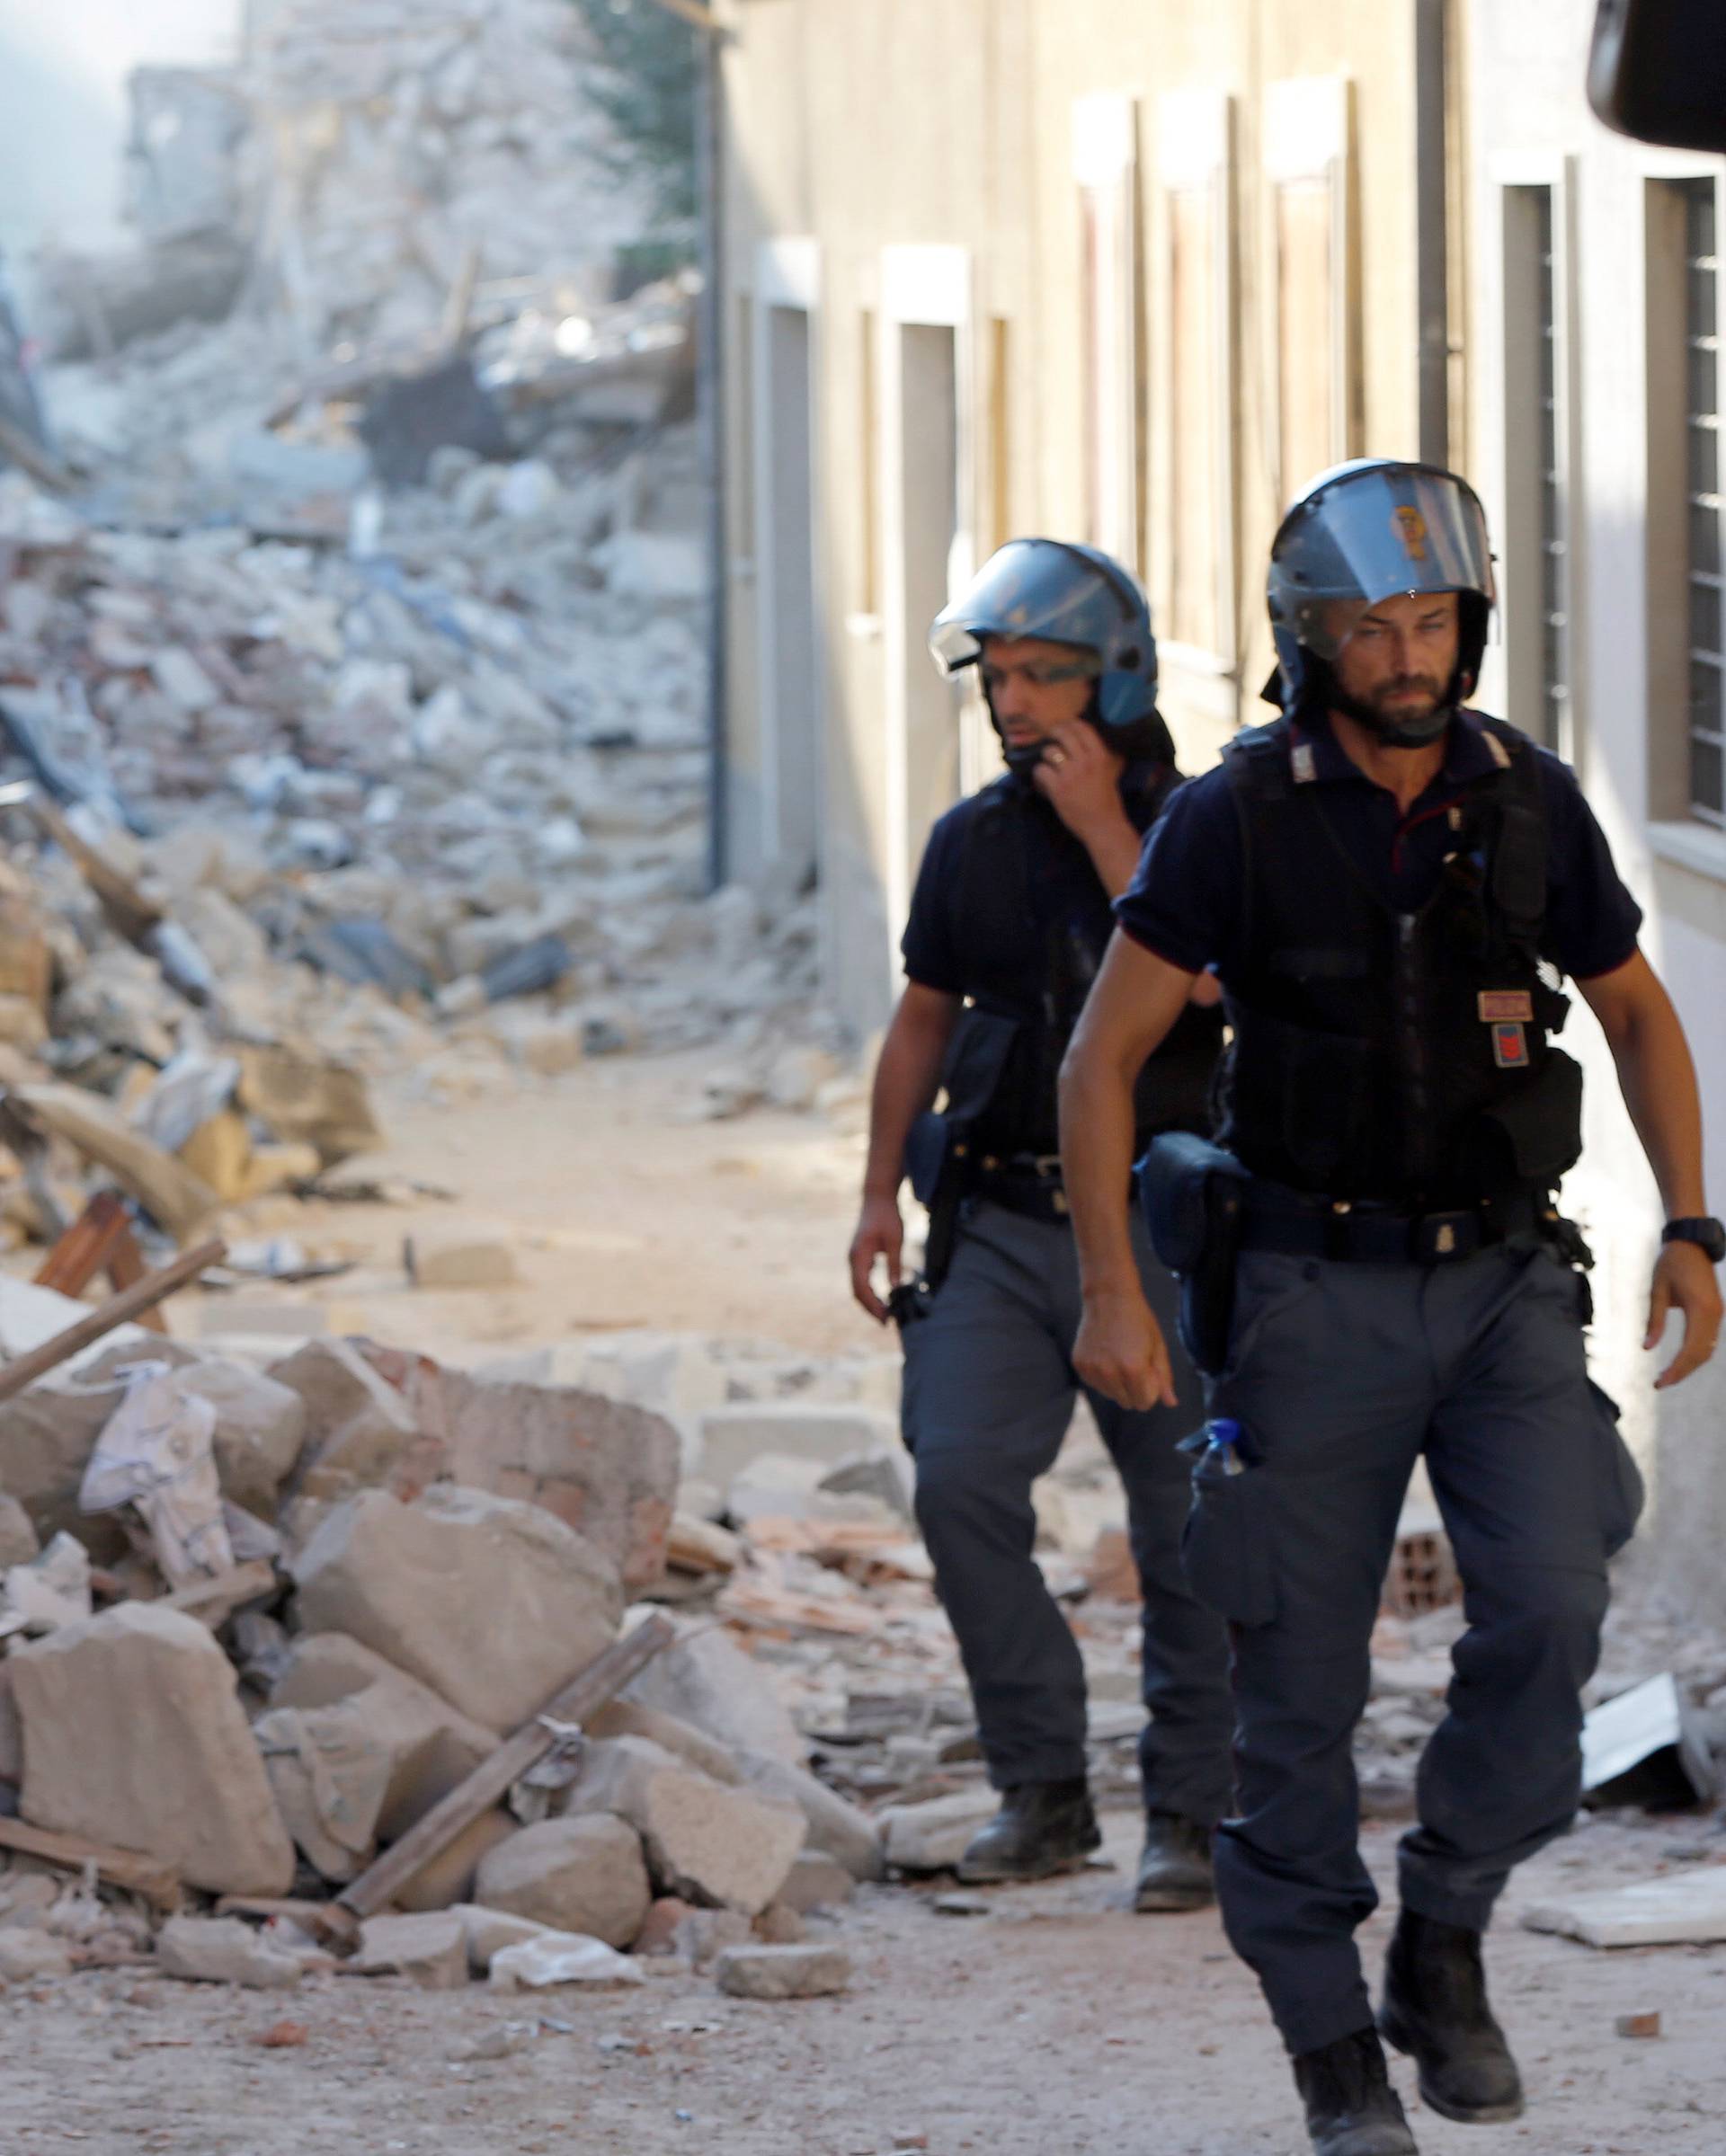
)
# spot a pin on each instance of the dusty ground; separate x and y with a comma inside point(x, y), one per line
point(1058, 2024)
point(618, 1213)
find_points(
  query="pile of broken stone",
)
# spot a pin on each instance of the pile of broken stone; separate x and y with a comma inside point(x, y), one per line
point(261, 1620)
point(360, 631)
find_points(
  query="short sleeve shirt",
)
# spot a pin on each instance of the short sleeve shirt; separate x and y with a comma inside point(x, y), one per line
point(1045, 880)
point(1186, 902)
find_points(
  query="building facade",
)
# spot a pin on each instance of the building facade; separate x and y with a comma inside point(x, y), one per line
point(1594, 384)
point(1128, 271)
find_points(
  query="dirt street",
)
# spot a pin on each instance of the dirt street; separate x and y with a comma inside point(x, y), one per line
point(620, 1215)
point(1057, 2022)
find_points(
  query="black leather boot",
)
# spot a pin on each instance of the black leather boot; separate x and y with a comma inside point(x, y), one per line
point(1175, 1870)
point(1351, 2109)
point(1042, 1828)
point(1434, 2009)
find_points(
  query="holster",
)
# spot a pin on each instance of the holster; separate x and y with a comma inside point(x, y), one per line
point(1191, 1191)
point(939, 1152)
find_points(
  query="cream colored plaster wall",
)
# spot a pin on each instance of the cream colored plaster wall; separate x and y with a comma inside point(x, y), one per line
point(866, 124)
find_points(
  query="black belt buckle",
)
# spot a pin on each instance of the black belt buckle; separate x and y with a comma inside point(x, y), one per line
point(1435, 1238)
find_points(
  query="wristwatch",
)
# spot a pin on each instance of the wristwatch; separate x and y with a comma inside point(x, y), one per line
point(1707, 1234)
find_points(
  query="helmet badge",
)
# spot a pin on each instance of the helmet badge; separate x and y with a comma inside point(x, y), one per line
point(1411, 529)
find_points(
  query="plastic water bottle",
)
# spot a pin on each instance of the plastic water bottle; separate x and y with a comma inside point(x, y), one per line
point(1223, 1447)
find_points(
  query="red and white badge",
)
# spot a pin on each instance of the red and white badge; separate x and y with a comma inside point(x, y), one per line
point(1510, 1046)
point(1506, 1006)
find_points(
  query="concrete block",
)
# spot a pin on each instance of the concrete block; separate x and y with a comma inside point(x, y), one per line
point(838, 1828)
point(260, 1428)
point(584, 1874)
point(452, 1259)
point(492, 1603)
point(1686, 1909)
point(734, 1436)
point(933, 1836)
point(782, 1972)
point(430, 1951)
point(625, 1718)
point(707, 1844)
point(357, 1426)
point(201, 1949)
point(134, 1735)
point(706, 1679)
point(816, 1881)
point(604, 1468)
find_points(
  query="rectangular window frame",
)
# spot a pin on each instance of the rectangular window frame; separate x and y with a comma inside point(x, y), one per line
point(1106, 168)
point(1541, 571)
point(787, 277)
point(1196, 131)
point(1678, 566)
point(1308, 143)
point(921, 287)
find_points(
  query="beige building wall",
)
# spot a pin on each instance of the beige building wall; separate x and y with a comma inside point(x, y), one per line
point(1122, 269)
point(1598, 393)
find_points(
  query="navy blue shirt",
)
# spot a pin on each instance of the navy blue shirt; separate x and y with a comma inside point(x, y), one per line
point(1003, 955)
point(1186, 903)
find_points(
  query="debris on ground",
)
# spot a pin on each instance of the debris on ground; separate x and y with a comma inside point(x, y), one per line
point(1685, 1909)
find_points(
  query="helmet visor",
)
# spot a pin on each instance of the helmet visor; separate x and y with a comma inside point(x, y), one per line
point(1029, 588)
point(1369, 536)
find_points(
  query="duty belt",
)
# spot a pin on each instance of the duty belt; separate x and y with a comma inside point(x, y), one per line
point(1029, 1184)
point(1293, 1226)
point(1024, 1183)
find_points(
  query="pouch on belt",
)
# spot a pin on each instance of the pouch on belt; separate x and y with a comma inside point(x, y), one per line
point(1191, 1191)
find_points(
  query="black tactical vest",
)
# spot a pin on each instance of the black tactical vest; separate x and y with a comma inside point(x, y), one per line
point(1401, 1058)
point(1028, 980)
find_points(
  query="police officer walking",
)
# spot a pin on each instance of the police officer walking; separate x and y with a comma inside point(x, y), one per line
point(1009, 922)
point(1389, 886)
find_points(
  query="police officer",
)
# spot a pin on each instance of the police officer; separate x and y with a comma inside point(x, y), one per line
point(1009, 921)
point(1389, 885)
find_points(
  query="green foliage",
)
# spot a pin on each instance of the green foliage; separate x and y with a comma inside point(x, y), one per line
point(647, 87)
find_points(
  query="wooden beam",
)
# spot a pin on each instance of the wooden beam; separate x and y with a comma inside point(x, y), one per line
point(18, 1375)
point(157, 1881)
point(86, 1247)
point(602, 1680)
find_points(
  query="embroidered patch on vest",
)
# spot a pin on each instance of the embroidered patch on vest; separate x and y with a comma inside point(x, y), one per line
point(1301, 765)
point(1502, 1006)
point(1510, 1047)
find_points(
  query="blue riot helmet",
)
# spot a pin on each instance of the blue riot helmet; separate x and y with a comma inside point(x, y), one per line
point(1066, 593)
point(1362, 533)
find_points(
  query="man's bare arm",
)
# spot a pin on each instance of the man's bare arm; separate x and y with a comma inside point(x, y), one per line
point(906, 1080)
point(1658, 1081)
point(1135, 1000)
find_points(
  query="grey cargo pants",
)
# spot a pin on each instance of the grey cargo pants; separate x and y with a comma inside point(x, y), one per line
point(989, 1390)
point(1341, 1374)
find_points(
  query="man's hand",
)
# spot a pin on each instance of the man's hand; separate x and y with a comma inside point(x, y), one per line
point(1080, 778)
point(1684, 1280)
point(1121, 1351)
point(880, 1234)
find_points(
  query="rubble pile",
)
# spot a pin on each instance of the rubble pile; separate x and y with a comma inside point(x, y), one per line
point(352, 646)
point(266, 1626)
point(387, 795)
point(259, 1623)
